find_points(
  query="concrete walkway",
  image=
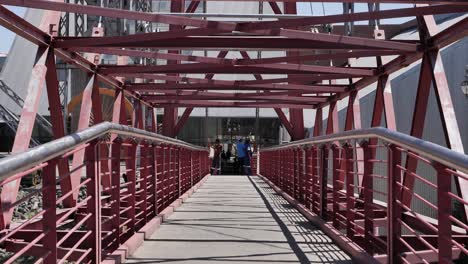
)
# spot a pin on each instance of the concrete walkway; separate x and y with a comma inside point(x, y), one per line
point(238, 219)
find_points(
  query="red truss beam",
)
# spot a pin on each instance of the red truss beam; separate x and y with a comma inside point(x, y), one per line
point(348, 40)
point(457, 31)
point(243, 104)
point(267, 26)
point(192, 6)
point(28, 31)
point(309, 78)
point(217, 43)
point(301, 68)
point(235, 96)
point(120, 13)
point(182, 120)
point(155, 87)
point(251, 69)
point(316, 57)
point(405, 60)
point(67, 42)
point(154, 55)
point(172, 38)
point(284, 120)
point(454, 6)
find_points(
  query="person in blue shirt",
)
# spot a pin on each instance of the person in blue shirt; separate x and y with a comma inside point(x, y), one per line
point(248, 156)
point(240, 155)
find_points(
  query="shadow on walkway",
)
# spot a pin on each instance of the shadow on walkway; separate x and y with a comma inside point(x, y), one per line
point(238, 219)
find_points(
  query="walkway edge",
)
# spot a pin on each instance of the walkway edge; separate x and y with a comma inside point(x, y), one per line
point(134, 242)
point(357, 253)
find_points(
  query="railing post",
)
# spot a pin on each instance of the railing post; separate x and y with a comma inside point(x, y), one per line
point(301, 175)
point(444, 211)
point(394, 211)
point(368, 198)
point(144, 175)
point(94, 205)
point(115, 192)
point(315, 198)
point(278, 167)
point(155, 163)
point(295, 173)
point(191, 168)
point(335, 172)
point(131, 187)
point(291, 172)
point(281, 168)
point(308, 178)
point(50, 217)
point(322, 180)
point(178, 170)
point(160, 176)
point(165, 174)
point(350, 199)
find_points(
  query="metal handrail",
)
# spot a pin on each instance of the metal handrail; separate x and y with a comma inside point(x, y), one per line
point(426, 149)
point(16, 163)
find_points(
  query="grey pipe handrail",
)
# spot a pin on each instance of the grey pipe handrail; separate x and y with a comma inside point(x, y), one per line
point(426, 149)
point(22, 161)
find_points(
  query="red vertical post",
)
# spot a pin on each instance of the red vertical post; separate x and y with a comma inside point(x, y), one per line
point(322, 180)
point(282, 168)
point(350, 200)
point(56, 116)
point(191, 168)
point(171, 113)
point(368, 199)
point(353, 121)
point(318, 122)
point(165, 177)
point(93, 189)
point(178, 172)
point(315, 199)
point(49, 206)
point(116, 145)
point(160, 177)
point(444, 211)
point(332, 121)
point(308, 177)
point(145, 175)
point(130, 163)
point(295, 173)
point(336, 184)
point(296, 116)
point(394, 210)
point(83, 123)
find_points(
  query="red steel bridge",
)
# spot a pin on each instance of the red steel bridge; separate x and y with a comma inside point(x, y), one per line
point(355, 185)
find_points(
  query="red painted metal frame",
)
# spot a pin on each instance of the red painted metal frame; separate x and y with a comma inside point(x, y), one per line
point(377, 221)
point(102, 222)
point(166, 170)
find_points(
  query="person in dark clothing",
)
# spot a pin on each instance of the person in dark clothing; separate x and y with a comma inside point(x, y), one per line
point(248, 157)
point(215, 166)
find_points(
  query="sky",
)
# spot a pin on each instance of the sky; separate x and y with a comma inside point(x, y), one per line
point(318, 9)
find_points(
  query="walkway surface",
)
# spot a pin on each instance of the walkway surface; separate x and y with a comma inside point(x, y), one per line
point(238, 219)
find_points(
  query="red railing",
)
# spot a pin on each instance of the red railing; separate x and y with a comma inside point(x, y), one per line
point(127, 177)
point(368, 193)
